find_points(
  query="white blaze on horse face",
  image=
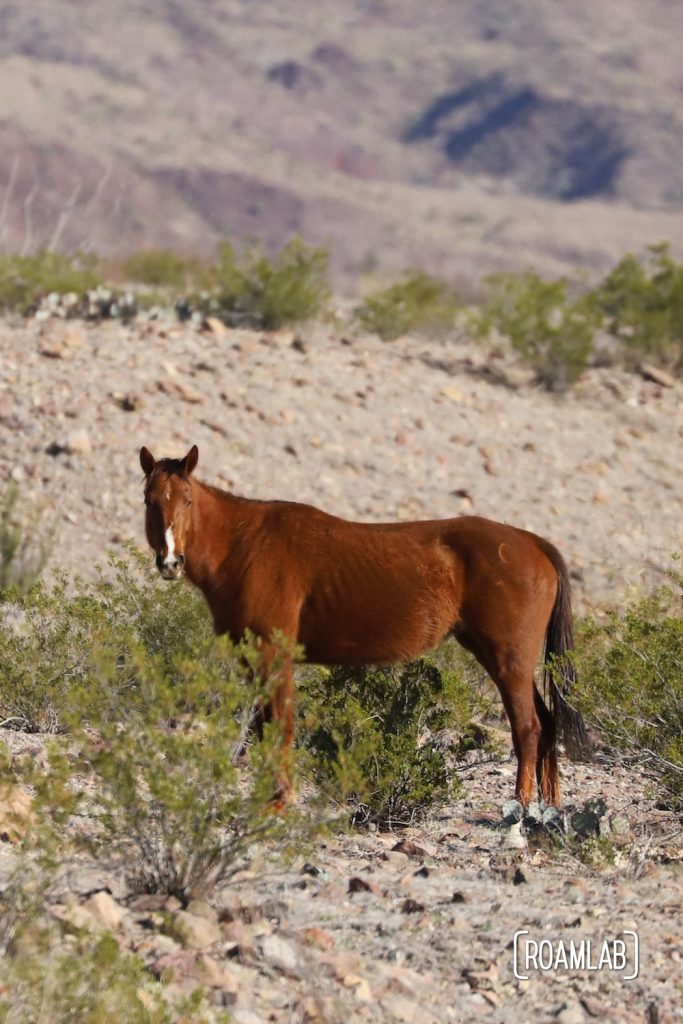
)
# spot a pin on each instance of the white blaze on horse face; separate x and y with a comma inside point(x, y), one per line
point(170, 547)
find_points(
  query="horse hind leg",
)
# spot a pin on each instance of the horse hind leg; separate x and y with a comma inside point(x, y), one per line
point(514, 677)
point(517, 694)
point(547, 772)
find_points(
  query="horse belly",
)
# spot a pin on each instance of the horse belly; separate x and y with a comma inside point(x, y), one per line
point(365, 628)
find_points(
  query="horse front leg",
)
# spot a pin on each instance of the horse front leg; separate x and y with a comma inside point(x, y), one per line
point(279, 708)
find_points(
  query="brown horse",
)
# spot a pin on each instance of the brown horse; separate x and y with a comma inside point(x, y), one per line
point(366, 593)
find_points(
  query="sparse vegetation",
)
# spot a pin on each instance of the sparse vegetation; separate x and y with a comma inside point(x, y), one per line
point(163, 757)
point(75, 979)
point(552, 331)
point(26, 280)
point(290, 288)
point(642, 302)
point(376, 735)
point(550, 324)
point(158, 709)
point(163, 268)
point(631, 684)
point(417, 304)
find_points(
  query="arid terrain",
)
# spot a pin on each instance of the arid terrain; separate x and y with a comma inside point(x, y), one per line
point(357, 930)
point(362, 428)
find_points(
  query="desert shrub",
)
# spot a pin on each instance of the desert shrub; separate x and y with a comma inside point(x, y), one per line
point(79, 979)
point(550, 330)
point(642, 301)
point(417, 304)
point(374, 735)
point(55, 971)
point(290, 288)
point(63, 976)
point(157, 715)
point(631, 684)
point(48, 638)
point(170, 799)
point(24, 543)
point(25, 280)
point(163, 268)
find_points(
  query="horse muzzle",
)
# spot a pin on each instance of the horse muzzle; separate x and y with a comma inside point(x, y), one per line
point(171, 569)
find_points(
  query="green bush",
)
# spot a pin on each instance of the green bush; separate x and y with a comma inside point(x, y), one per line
point(157, 710)
point(374, 736)
point(417, 304)
point(163, 268)
point(47, 639)
point(25, 280)
point(631, 684)
point(551, 332)
point(24, 545)
point(290, 288)
point(170, 798)
point(76, 979)
point(642, 301)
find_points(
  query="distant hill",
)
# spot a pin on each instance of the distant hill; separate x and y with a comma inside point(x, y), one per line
point(458, 136)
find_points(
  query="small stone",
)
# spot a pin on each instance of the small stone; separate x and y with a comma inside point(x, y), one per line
point(515, 840)
point(18, 474)
point(73, 340)
point(512, 812)
point(395, 857)
point(572, 1013)
point(519, 878)
point(129, 402)
point(657, 375)
point(244, 1016)
point(195, 932)
point(593, 1006)
point(552, 818)
point(411, 906)
point(620, 825)
point(315, 936)
point(450, 391)
point(281, 955)
point(105, 911)
point(215, 327)
point(410, 848)
point(533, 815)
point(78, 442)
point(359, 885)
point(202, 909)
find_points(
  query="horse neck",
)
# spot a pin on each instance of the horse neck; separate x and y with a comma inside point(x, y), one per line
point(212, 527)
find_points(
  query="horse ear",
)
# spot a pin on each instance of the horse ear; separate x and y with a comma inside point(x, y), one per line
point(190, 460)
point(147, 461)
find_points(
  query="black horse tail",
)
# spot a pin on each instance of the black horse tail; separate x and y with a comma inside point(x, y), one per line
point(559, 643)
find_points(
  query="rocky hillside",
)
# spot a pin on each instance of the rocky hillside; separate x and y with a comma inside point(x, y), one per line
point(364, 429)
point(460, 137)
point(409, 928)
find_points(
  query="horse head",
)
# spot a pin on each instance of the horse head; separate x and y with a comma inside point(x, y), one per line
point(168, 502)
